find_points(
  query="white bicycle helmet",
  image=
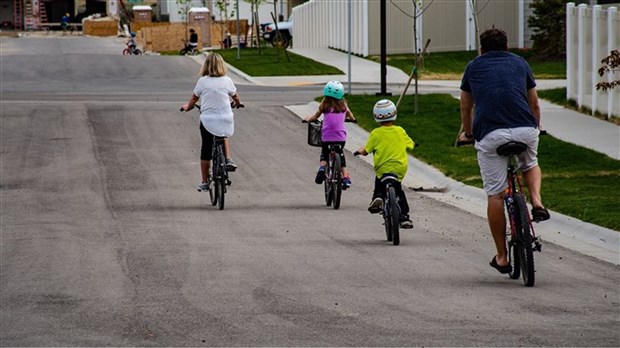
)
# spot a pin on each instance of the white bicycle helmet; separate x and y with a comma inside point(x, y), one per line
point(384, 111)
point(334, 89)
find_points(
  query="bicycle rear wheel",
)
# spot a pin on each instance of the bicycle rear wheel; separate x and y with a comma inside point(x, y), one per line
point(329, 188)
point(524, 240)
point(337, 182)
point(220, 183)
point(394, 215)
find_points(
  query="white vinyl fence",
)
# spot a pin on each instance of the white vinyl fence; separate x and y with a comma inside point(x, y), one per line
point(591, 34)
point(320, 24)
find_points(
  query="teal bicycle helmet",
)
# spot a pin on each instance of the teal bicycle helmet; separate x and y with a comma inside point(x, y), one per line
point(384, 111)
point(334, 89)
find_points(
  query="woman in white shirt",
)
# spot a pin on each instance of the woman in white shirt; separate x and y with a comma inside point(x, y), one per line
point(214, 89)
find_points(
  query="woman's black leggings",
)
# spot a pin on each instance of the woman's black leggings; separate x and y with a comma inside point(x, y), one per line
point(206, 150)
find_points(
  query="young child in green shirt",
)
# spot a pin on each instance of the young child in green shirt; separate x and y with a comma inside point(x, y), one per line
point(388, 144)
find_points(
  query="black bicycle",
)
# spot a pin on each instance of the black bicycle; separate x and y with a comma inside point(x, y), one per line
point(333, 173)
point(219, 170)
point(390, 209)
point(522, 241)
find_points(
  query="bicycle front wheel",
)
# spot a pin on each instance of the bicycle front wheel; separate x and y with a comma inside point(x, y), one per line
point(337, 182)
point(213, 192)
point(221, 191)
point(394, 215)
point(524, 240)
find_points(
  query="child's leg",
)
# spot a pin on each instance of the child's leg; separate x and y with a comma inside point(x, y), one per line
point(402, 199)
point(378, 191)
point(377, 198)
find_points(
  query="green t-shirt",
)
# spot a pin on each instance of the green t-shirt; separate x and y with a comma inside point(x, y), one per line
point(389, 146)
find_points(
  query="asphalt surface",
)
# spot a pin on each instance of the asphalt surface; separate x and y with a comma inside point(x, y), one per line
point(104, 240)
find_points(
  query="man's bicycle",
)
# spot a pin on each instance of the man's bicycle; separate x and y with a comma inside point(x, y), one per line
point(522, 241)
point(333, 173)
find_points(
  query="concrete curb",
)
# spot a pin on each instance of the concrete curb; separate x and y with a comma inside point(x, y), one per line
point(568, 232)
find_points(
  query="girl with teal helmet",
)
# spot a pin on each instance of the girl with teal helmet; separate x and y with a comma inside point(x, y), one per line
point(334, 89)
point(334, 110)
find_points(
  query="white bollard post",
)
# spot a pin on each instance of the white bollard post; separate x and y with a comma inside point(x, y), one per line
point(596, 12)
point(612, 31)
point(570, 59)
point(581, 52)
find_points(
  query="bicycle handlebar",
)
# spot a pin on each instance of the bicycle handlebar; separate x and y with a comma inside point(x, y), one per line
point(232, 105)
point(319, 121)
point(465, 142)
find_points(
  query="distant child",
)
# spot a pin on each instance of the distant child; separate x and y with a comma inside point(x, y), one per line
point(334, 110)
point(388, 144)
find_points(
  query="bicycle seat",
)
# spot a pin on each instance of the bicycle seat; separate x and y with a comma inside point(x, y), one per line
point(389, 176)
point(334, 147)
point(511, 148)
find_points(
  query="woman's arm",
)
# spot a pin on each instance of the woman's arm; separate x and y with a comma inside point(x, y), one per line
point(236, 99)
point(192, 101)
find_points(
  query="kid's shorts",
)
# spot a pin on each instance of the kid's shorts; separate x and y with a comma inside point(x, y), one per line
point(493, 167)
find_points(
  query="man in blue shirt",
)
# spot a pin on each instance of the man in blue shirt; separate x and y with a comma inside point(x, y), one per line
point(501, 87)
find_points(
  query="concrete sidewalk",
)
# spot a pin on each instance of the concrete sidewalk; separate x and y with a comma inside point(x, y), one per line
point(564, 124)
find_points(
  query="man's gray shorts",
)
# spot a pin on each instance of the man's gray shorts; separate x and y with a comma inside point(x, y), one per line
point(493, 166)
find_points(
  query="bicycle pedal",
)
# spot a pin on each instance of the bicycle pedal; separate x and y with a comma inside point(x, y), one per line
point(538, 244)
point(228, 182)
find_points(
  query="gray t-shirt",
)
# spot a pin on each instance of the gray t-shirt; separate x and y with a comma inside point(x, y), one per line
point(499, 82)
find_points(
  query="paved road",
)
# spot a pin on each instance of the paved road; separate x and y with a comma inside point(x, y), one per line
point(106, 242)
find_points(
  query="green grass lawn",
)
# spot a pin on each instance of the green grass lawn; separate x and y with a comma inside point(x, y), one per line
point(451, 65)
point(576, 181)
point(558, 96)
point(272, 62)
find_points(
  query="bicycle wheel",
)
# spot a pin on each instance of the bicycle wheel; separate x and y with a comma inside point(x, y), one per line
point(213, 193)
point(524, 240)
point(337, 182)
point(327, 183)
point(394, 215)
point(221, 190)
point(137, 52)
point(512, 245)
point(126, 52)
point(182, 52)
point(387, 221)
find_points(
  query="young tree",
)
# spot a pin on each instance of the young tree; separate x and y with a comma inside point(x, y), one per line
point(225, 14)
point(254, 5)
point(611, 64)
point(184, 7)
point(548, 23)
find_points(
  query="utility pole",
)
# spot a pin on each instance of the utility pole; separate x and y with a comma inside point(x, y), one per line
point(383, 26)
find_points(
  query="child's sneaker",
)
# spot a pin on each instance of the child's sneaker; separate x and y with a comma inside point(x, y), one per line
point(405, 222)
point(346, 183)
point(376, 205)
point(231, 166)
point(320, 176)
